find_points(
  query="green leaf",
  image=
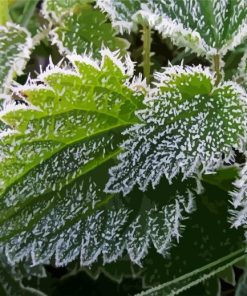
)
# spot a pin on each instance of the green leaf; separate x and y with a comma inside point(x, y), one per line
point(15, 47)
point(71, 132)
point(121, 13)
point(54, 168)
point(242, 286)
point(206, 238)
point(205, 27)
point(189, 280)
point(11, 278)
point(228, 275)
point(187, 126)
point(79, 28)
point(239, 196)
point(56, 8)
point(241, 75)
point(232, 60)
point(223, 177)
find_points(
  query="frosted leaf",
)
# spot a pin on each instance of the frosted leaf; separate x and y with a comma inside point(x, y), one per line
point(71, 132)
point(15, 46)
point(187, 126)
point(11, 278)
point(80, 221)
point(121, 12)
point(79, 28)
point(54, 166)
point(241, 75)
point(206, 27)
point(114, 241)
point(239, 200)
point(54, 8)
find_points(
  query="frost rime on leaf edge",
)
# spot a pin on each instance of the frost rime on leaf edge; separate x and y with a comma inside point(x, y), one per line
point(206, 153)
point(20, 60)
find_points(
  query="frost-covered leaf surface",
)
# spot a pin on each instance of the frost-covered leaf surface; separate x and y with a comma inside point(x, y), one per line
point(206, 238)
point(56, 8)
point(206, 27)
point(51, 152)
point(54, 168)
point(121, 13)
point(15, 46)
point(80, 28)
point(241, 75)
point(239, 200)
point(188, 125)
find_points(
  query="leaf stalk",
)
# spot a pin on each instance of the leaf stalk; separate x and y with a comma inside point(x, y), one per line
point(146, 38)
point(217, 67)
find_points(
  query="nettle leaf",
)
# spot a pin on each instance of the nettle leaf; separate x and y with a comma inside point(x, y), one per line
point(241, 75)
point(121, 13)
point(54, 169)
point(207, 27)
point(79, 28)
point(15, 46)
point(242, 285)
point(189, 280)
point(239, 200)
point(56, 8)
point(11, 278)
point(188, 126)
point(207, 236)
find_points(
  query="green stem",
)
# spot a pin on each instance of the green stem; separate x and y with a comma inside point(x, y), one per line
point(146, 38)
point(216, 68)
point(4, 12)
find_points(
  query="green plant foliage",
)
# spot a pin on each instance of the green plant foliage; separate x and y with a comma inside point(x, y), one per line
point(67, 158)
point(106, 171)
point(241, 76)
point(202, 242)
point(179, 285)
point(186, 126)
point(122, 13)
point(11, 278)
point(81, 28)
point(242, 286)
point(206, 27)
point(15, 46)
point(57, 7)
